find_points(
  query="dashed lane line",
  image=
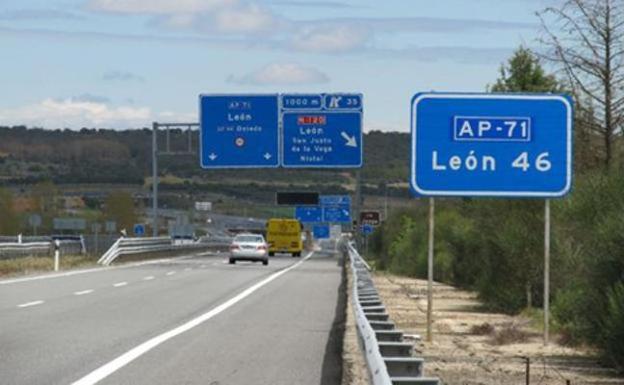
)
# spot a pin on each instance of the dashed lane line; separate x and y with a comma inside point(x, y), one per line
point(120, 284)
point(29, 304)
point(83, 292)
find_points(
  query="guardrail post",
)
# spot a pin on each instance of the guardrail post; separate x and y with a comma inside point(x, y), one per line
point(57, 256)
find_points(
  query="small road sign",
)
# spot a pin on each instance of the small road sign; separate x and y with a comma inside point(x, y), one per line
point(203, 206)
point(334, 200)
point(309, 214)
point(322, 131)
point(110, 226)
point(239, 131)
point(321, 231)
point(505, 145)
point(139, 230)
point(69, 224)
point(336, 208)
point(367, 229)
point(372, 218)
point(34, 220)
point(337, 214)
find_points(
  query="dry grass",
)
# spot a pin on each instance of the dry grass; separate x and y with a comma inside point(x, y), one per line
point(484, 329)
point(29, 265)
point(509, 334)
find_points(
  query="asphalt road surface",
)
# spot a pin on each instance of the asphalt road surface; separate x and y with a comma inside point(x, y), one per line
point(194, 320)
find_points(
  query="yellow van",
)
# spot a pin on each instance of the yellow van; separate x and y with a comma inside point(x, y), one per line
point(284, 236)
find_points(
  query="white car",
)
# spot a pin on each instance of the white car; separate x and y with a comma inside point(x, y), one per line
point(249, 247)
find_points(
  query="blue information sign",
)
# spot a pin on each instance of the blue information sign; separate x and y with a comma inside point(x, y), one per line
point(320, 231)
point(507, 145)
point(367, 229)
point(337, 214)
point(239, 131)
point(328, 135)
point(309, 214)
point(139, 230)
point(336, 208)
point(328, 200)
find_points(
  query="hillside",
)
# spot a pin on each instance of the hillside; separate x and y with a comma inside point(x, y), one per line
point(111, 157)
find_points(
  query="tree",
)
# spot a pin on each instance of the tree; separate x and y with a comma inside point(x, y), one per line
point(120, 208)
point(585, 38)
point(515, 248)
point(8, 219)
point(524, 73)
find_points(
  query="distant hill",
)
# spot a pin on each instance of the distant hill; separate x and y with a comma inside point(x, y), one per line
point(106, 156)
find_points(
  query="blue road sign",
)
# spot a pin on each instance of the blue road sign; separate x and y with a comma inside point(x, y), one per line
point(320, 231)
point(309, 214)
point(139, 230)
point(328, 200)
point(239, 131)
point(328, 135)
point(367, 229)
point(506, 145)
point(337, 214)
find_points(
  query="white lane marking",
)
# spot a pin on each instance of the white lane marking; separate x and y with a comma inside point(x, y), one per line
point(83, 292)
point(29, 304)
point(120, 284)
point(148, 278)
point(170, 273)
point(111, 367)
point(94, 270)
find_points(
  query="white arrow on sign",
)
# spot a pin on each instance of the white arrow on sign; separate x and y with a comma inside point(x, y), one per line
point(267, 156)
point(350, 139)
point(212, 156)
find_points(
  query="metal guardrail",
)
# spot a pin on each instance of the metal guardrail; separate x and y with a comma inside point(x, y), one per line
point(10, 250)
point(18, 250)
point(129, 246)
point(388, 357)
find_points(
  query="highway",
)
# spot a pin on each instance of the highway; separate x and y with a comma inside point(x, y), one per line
point(189, 320)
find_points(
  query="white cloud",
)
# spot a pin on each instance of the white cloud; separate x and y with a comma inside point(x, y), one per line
point(332, 38)
point(282, 74)
point(244, 19)
point(76, 113)
point(158, 6)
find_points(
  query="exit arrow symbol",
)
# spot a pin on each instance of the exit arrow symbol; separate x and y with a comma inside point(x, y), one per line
point(350, 139)
point(267, 156)
point(212, 156)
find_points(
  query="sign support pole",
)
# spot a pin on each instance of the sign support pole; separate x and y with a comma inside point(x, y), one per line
point(430, 269)
point(546, 269)
point(154, 179)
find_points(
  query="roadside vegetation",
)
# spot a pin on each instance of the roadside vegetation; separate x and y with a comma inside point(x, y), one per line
point(495, 246)
point(28, 265)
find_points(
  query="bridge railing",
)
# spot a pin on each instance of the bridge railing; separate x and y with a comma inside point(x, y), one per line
point(388, 357)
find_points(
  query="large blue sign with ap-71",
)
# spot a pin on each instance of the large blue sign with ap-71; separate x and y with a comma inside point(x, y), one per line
point(239, 131)
point(506, 145)
point(322, 130)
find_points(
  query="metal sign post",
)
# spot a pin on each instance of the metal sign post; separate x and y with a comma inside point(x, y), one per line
point(430, 269)
point(546, 269)
point(155, 152)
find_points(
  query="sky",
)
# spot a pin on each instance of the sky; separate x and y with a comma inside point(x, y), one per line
point(125, 63)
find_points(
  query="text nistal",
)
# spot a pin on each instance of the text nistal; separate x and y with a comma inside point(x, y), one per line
point(508, 145)
point(321, 131)
point(239, 131)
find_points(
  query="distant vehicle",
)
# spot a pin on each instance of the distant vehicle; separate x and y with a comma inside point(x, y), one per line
point(249, 247)
point(284, 236)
